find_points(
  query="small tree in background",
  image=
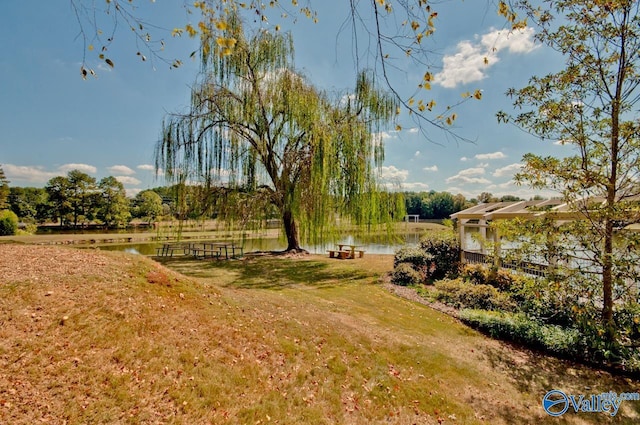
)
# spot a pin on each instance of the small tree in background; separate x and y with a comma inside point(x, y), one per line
point(591, 105)
point(4, 190)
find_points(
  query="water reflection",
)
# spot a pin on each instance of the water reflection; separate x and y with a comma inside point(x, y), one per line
point(372, 244)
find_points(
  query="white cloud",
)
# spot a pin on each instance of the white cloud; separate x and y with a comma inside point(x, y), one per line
point(121, 170)
point(509, 170)
point(146, 167)
point(464, 159)
point(472, 59)
point(412, 130)
point(29, 173)
point(128, 180)
point(415, 186)
point(494, 155)
point(465, 179)
point(469, 175)
point(393, 174)
point(433, 168)
point(39, 174)
point(417, 154)
point(477, 171)
point(85, 168)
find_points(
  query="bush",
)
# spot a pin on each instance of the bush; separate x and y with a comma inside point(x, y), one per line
point(8, 223)
point(404, 274)
point(414, 256)
point(475, 273)
point(460, 294)
point(519, 328)
point(444, 248)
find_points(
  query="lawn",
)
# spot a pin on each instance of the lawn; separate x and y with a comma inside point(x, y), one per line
point(103, 337)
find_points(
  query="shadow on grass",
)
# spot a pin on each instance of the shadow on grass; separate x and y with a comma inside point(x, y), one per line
point(268, 272)
point(536, 373)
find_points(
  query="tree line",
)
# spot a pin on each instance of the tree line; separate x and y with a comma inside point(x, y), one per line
point(77, 199)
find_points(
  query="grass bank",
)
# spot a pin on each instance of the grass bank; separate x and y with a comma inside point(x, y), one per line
point(97, 337)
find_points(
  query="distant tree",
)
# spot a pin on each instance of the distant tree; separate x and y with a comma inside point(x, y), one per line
point(148, 205)
point(439, 205)
point(460, 203)
point(113, 204)
point(486, 197)
point(73, 198)
point(510, 198)
point(29, 203)
point(4, 190)
point(82, 199)
point(57, 189)
point(413, 203)
point(261, 126)
point(592, 105)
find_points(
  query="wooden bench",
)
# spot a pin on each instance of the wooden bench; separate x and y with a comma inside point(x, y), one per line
point(334, 253)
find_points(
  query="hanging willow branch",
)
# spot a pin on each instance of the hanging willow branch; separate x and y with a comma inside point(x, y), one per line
point(256, 124)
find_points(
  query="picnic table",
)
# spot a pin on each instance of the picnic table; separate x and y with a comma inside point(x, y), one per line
point(202, 250)
point(217, 250)
point(168, 249)
point(346, 251)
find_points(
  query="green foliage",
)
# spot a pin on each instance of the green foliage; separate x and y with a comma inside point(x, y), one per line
point(517, 327)
point(444, 247)
point(460, 294)
point(405, 274)
point(434, 205)
point(591, 104)
point(113, 205)
point(257, 122)
point(413, 255)
point(4, 190)
point(8, 223)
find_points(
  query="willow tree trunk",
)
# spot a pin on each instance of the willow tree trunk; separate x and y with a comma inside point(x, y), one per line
point(291, 231)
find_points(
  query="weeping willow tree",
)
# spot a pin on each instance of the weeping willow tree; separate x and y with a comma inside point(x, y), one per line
point(256, 125)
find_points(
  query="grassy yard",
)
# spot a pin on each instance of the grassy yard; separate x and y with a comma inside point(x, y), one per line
point(103, 337)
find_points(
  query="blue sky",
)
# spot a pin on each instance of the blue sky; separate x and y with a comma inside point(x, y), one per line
point(53, 121)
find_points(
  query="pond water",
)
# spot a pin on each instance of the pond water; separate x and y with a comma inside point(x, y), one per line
point(372, 245)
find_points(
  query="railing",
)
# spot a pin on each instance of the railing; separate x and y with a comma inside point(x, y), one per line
point(534, 269)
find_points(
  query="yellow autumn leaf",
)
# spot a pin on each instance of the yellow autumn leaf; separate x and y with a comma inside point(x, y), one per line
point(477, 94)
point(190, 30)
point(411, 101)
point(221, 25)
point(415, 25)
point(90, 47)
point(398, 127)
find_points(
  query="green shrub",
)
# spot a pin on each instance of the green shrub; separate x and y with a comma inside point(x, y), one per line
point(413, 255)
point(517, 327)
point(8, 223)
point(444, 248)
point(404, 274)
point(475, 273)
point(460, 294)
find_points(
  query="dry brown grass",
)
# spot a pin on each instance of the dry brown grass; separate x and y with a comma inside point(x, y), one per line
point(93, 337)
